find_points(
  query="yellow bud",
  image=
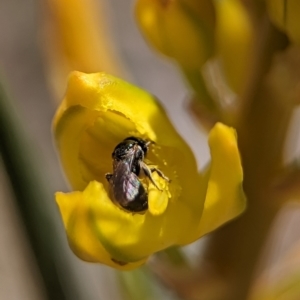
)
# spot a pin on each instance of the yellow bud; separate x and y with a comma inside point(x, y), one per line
point(180, 29)
point(234, 37)
point(76, 38)
point(285, 15)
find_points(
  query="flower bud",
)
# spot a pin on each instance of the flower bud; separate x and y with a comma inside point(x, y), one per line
point(234, 38)
point(180, 29)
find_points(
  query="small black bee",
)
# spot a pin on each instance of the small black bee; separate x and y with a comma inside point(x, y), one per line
point(128, 165)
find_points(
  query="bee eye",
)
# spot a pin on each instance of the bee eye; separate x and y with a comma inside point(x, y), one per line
point(130, 146)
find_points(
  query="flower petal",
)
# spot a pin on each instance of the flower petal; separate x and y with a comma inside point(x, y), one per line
point(100, 231)
point(76, 209)
point(225, 198)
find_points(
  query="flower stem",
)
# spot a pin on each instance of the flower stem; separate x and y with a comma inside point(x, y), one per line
point(197, 83)
point(176, 257)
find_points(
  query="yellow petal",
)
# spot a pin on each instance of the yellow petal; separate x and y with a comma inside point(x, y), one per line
point(225, 198)
point(76, 213)
point(100, 231)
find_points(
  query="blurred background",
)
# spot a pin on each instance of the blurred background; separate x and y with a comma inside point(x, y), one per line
point(25, 74)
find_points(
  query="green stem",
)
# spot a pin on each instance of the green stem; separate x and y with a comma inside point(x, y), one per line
point(197, 83)
point(33, 197)
point(175, 256)
point(141, 284)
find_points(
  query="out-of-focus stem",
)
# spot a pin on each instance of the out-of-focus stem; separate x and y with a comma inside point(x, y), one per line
point(175, 256)
point(197, 83)
point(32, 195)
point(287, 186)
point(235, 249)
point(141, 284)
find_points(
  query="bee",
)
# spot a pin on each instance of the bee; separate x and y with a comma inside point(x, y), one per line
point(128, 164)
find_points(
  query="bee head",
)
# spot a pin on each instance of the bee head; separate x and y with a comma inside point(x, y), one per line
point(138, 141)
point(127, 147)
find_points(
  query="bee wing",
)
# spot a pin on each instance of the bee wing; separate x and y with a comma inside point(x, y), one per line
point(126, 185)
point(127, 189)
point(136, 195)
point(132, 187)
point(124, 165)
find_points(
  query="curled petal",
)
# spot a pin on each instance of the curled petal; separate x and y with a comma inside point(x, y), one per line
point(225, 198)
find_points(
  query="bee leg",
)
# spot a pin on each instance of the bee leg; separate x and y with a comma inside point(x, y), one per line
point(160, 173)
point(148, 173)
point(149, 143)
point(108, 176)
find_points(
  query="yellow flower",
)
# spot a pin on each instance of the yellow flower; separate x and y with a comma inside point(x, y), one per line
point(180, 29)
point(98, 112)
